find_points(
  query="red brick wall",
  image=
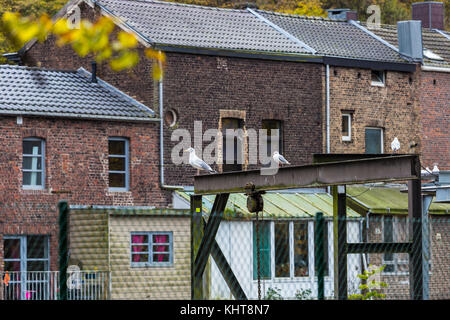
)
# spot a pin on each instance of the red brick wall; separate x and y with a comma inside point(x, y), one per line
point(77, 164)
point(197, 87)
point(392, 107)
point(435, 119)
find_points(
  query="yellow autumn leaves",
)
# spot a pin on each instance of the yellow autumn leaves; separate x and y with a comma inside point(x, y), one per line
point(85, 38)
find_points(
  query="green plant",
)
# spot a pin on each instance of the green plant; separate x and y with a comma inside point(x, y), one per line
point(303, 294)
point(273, 294)
point(370, 287)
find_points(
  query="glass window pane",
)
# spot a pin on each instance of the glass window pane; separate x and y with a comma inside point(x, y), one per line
point(389, 268)
point(264, 251)
point(32, 178)
point(373, 141)
point(139, 238)
point(12, 266)
point(32, 147)
point(11, 248)
point(116, 147)
point(161, 257)
point(37, 266)
point(117, 180)
point(345, 120)
point(300, 249)
point(282, 267)
point(161, 248)
point(37, 247)
point(32, 163)
point(135, 248)
point(117, 164)
point(388, 229)
point(139, 257)
point(161, 238)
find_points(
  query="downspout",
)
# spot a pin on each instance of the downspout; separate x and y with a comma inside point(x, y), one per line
point(328, 106)
point(161, 141)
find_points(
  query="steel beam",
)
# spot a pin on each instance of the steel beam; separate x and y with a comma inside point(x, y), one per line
point(416, 254)
point(379, 247)
point(196, 238)
point(382, 169)
point(208, 239)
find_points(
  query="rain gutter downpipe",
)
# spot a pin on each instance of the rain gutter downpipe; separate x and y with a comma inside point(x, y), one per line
point(328, 105)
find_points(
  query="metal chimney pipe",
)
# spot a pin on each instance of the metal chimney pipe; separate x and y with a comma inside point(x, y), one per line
point(94, 72)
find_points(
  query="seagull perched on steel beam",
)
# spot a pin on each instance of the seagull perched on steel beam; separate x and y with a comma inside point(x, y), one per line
point(198, 163)
point(278, 158)
point(395, 145)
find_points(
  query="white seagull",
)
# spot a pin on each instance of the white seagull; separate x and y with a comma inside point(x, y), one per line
point(196, 162)
point(278, 158)
point(395, 145)
point(435, 169)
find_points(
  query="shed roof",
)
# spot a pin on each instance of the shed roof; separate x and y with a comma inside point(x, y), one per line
point(277, 205)
point(382, 200)
point(124, 211)
point(44, 92)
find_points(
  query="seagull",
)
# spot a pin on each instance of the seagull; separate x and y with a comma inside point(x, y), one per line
point(395, 145)
point(278, 158)
point(196, 162)
point(435, 169)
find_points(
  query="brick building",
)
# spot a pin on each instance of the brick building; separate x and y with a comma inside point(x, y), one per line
point(65, 137)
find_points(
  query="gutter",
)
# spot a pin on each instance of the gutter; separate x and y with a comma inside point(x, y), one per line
point(436, 69)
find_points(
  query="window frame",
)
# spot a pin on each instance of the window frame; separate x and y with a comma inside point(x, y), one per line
point(381, 83)
point(349, 124)
point(381, 137)
point(150, 244)
point(395, 238)
point(42, 170)
point(24, 251)
point(127, 166)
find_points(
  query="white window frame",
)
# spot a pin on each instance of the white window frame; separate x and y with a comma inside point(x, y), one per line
point(150, 262)
point(382, 136)
point(127, 169)
point(23, 251)
point(348, 137)
point(41, 186)
point(381, 83)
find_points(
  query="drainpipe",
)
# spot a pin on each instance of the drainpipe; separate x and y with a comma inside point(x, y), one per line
point(328, 106)
point(161, 141)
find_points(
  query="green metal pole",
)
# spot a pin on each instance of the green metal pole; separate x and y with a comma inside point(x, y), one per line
point(63, 209)
point(319, 255)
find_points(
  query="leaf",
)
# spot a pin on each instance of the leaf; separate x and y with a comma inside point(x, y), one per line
point(127, 40)
point(126, 60)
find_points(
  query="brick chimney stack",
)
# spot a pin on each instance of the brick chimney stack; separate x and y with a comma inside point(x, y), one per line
point(431, 13)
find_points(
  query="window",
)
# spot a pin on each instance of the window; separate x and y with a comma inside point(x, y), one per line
point(118, 164)
point(378, 78)
point(151, 249)
point(395, 229)
point(26, 253)
point(33, 163)
point(232, 145)
point(374, 140)
point(264, 251)
point(346, 127)
point(290, 253)
point(274, 138)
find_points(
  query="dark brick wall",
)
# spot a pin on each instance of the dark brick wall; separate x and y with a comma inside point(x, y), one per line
point(435, 119)
point(392, 107)
point(76, 170)
point(197, 87)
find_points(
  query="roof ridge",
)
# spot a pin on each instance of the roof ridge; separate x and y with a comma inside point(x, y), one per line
point(186, 5)
point(298, 16)
point(12, 66)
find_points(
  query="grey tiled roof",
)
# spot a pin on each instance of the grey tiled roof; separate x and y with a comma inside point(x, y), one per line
point(201, 27)
point(36, 91)
point(431, 39)
point(333, 37)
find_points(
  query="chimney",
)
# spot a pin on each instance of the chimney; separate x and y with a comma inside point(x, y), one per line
point(410, 39)
point(342, 14)
point(94, 72)
point(431, 13)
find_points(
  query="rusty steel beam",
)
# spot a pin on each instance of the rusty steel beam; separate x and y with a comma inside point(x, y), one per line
point(382, 169)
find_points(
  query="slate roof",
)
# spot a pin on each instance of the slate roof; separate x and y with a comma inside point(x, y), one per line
point(333, 37)
point(194, 26)
point(432, 40)
point(37, 91)
point(201, 27)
